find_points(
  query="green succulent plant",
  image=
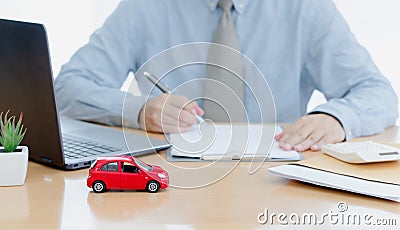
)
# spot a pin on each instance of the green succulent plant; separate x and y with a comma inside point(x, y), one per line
point(11, 134)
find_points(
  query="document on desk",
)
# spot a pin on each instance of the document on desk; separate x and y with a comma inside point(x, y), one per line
point(212, 142)
point(375, 179)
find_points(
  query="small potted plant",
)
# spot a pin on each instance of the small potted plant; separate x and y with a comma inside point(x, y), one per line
point(13, 158)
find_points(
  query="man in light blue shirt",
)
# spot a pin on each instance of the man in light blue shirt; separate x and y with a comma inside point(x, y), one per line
point(299, 46)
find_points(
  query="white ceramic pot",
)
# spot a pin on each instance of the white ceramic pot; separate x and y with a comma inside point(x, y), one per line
point(13, 166)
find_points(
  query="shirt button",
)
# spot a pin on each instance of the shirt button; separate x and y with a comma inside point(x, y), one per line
point(241, 6)
point(212, 4)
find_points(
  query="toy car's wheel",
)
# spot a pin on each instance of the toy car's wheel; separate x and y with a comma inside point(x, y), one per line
point(99, 186)
point(153, 186)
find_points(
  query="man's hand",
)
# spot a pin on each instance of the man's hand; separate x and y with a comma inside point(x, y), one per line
point(311, 132)
point(169, 113)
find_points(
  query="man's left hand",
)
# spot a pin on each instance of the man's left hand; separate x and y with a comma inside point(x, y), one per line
point(311, 132)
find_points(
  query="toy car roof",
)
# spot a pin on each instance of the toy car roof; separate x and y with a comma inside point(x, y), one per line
point(115, 158)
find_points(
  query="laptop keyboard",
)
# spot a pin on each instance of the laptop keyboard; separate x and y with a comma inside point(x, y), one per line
point(74, 149)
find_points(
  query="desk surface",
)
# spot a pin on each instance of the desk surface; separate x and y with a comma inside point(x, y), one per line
point(54, 199)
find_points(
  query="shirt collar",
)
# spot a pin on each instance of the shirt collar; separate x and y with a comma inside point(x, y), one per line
point(240, 5)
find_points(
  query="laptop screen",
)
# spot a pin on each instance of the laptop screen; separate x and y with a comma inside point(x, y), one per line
point(27, 86)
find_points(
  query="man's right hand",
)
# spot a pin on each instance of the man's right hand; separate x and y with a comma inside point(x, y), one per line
point(169, 113)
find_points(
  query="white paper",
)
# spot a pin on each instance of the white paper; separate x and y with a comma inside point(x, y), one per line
point(337, 181)
point(209, 141)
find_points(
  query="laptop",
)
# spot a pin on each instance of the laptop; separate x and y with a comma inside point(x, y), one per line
point(27, 86)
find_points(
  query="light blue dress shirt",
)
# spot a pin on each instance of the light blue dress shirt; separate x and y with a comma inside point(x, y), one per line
point(299, 46)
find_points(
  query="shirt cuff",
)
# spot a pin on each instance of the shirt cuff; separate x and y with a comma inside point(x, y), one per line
point(131, 110)
point(348, 118)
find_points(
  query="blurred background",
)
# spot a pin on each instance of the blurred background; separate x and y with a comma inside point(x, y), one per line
point(69, 24)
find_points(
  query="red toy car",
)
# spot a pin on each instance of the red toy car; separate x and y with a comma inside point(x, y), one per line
point(125, 173)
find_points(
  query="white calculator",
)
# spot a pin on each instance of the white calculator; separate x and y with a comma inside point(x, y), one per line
point(362, 152)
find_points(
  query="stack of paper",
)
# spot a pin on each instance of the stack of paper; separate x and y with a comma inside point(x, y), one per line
point(376, 179)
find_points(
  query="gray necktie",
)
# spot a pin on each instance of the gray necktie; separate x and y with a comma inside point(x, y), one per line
point(221, 85)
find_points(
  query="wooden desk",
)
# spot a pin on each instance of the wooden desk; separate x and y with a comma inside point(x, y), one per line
point(54, 199)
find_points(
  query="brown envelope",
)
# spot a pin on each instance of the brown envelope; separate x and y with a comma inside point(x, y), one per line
point(386, 172)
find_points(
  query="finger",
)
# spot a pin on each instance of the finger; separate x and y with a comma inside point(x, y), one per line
point(182, 103)
point(327, 139)
point(297, 138)
point(173, 129)
point(193, 108)
point(175, 116)
point(199, 111)
point(187, 117)
point(171, 124)
point(155, 124)
point(178, 101)
point(158, 112)
point(292, 130)
point(317, 146)
point(312, 139)
point(279, 136)
point(187, 110)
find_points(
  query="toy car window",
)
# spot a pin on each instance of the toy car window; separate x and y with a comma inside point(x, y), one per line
point(112, 166)
point(129, 168)
point(143, 165)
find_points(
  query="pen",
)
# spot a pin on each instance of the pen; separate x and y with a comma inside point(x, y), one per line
point(165, 89)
